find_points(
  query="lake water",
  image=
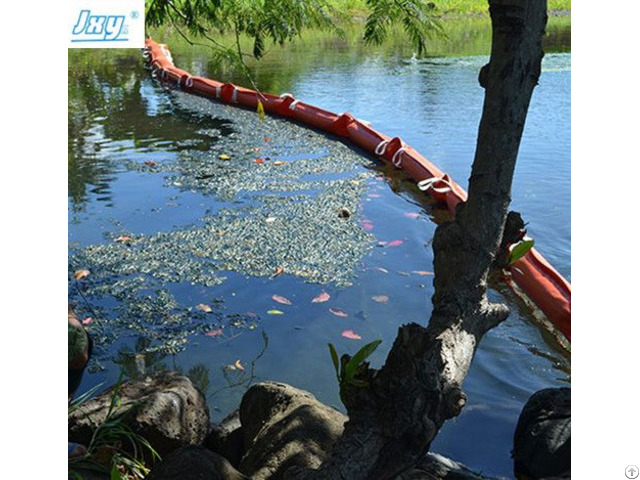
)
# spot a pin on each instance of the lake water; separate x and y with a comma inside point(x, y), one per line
point(184, 244)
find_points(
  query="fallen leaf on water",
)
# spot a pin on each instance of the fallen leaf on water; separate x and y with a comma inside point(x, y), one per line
point(395, 243)
point(256, 149)
point(382, 244)
point(283, 300)
point(267, 139)
point(87, 320)
point(373, 195)
point(323, 297)
point(150, 163)
point(238, 365)
point(203, 307)
point(279, 163)
point(279, 271)
point(214, 333)
point(124, 238)
point(259, 160)
point(411, 214)
point(351, 334)
point(383, 270)
point(79, 274)
point(367, 225)
point(275, 312)
point(337, 312)
point(224, 156)
point(380, 298)
point(270, 219)
point(421, 272)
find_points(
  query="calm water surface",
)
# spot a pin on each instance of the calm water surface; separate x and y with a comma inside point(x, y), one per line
point(120, 118)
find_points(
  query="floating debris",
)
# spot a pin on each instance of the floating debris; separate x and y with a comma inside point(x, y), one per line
point(268, 220)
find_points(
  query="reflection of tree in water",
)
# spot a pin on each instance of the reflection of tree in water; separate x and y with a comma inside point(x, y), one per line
point(141, 361)
point(115, 109)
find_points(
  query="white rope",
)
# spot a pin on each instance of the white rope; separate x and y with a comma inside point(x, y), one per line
point(381, 148)
point(165, 51)
point(163, 74)
point(396, 160)
point(285, 95)
point(218, 90)
point(428, 183)
point(189, 82)
point(234, 95)
point(294, 104)
point(179, 82)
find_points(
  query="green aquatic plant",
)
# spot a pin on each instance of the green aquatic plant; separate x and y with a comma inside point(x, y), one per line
point(346, 367)
point(114, 448)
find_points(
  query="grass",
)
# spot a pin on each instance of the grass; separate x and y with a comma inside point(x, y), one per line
point(358, 8)
point(114, 448)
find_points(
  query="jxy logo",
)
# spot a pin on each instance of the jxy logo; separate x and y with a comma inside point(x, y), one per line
point(101, 28)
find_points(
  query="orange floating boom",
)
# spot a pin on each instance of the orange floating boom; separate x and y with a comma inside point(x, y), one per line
point(532, 273)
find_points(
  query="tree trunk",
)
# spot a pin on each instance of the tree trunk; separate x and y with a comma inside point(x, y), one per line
point(393, 421)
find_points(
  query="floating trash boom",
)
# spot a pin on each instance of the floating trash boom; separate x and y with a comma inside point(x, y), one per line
point(531, 274)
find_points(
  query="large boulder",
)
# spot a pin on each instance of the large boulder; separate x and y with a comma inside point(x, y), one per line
point(542, 440)
point(283, 427)
point(194, 463)
point(166, 410)
point(226, 438)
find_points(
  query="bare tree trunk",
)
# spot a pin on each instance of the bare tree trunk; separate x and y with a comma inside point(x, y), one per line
point(393, 421)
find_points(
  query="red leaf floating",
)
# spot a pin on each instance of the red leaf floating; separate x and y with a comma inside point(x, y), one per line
point(259, 160)
point(411, 214)
point(123, 238)
point(367, 225)
point(283, 300)
point(395, 243)
point(87, 321)
point(323, 297)
point(351, 334)
point(380, 298)
point(150, 163)
point(337, 312)
point(214, 333)
point(267, 139)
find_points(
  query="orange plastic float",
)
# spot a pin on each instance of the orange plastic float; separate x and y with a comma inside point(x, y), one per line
point(532, 274)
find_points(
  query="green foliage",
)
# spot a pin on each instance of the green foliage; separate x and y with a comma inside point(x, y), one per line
point(416, 16)
point(520, 249)
point(279, 21)
point(114, 448)
point(346, 368)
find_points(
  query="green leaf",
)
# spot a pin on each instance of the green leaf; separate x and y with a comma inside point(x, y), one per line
point(520, 249)
point(115, 474)
point(275, 312)
point(336, 361)
point(360, 356)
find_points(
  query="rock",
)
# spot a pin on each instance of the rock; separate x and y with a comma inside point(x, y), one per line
point(542, 441)
point(437, 467)
point(283, 427)
point(166, 410)
point(194, 463)
point(226, 438)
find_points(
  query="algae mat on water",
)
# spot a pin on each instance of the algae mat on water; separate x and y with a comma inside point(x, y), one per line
point(286, 199)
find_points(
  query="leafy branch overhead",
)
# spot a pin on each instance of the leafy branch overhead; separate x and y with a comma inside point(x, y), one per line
point(279, 21)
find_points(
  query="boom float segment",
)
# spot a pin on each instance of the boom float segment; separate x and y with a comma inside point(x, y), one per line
point(534, 276)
